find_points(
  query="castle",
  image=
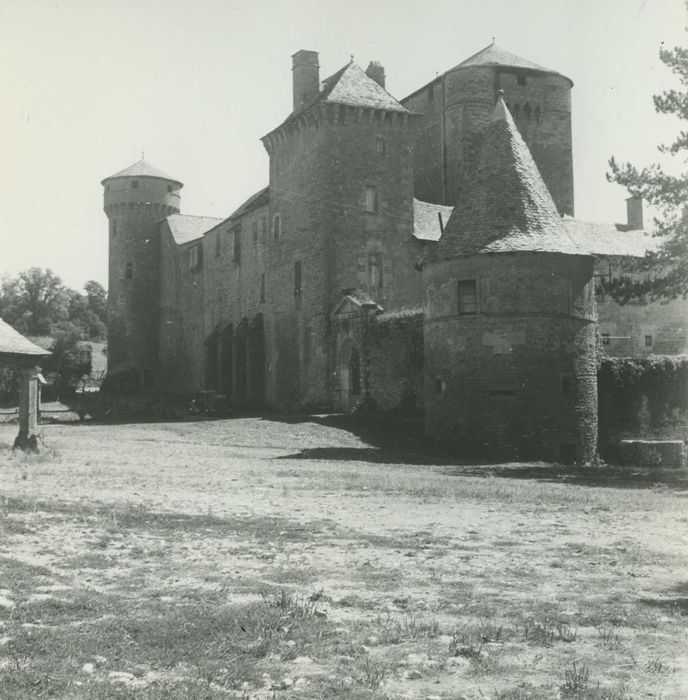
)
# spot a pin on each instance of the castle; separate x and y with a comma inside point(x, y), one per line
point(420, 252)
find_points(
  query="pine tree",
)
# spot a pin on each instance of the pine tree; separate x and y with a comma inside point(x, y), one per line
point(667, 267)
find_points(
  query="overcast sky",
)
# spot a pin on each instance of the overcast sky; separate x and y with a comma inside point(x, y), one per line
point(86, 85)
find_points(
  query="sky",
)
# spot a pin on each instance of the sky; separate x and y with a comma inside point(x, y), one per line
point(87, 85)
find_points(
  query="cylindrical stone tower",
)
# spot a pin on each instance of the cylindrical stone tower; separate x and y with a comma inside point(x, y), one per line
point(457, 107)
point(510, 318)
point(136, 199)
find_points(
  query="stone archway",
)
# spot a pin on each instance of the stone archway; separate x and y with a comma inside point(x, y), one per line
point(349, 366)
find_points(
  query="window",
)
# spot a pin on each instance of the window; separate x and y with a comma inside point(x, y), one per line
point(113, 228)
point(380, 146)
point(375, 270)
point(218, 244)
point(648, 341)
point(521, 80)
point(440, 385)
point(255, 232)
point(195, 257)
point(237, 246)
point(134, 184)
point(298, 280)
point(276, 226)
point(370, 203)
point(169, 188)
point(262, 287)
point(468, 297)
point(129, 270)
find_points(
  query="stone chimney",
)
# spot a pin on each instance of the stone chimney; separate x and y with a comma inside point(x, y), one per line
point(634, 213)
point(376, 71)
point(306, 78)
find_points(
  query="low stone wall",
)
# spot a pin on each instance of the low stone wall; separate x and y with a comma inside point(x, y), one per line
point(653, 453)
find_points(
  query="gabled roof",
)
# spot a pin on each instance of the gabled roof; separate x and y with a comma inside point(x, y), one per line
point(426, 222)
point(494, 55)
point(506, 207)
point(355, 299)
point(13, 345)
point(142, 169)
point(186, 228)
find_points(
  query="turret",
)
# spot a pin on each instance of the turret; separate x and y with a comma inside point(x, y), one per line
point(136, 199)
point(510, 317)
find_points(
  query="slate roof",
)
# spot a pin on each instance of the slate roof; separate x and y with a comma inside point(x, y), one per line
point(186, 228)
point(494, 55)
point(609, 240)
point(507, 207)
point(352, 86)
point(426, 223)
point(259, 199)
point(142, 169)
point(13, 345)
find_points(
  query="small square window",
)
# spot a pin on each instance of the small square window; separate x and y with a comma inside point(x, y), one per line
point(468, 297)
point(521, 80)
point(134, 184)
point(648, 341)
point(370, 198)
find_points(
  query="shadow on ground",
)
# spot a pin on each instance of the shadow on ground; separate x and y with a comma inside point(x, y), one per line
point(676, 600)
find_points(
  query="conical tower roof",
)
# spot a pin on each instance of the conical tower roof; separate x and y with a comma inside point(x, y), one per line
point(142, 168)
point(507, 207)
point(494, 55)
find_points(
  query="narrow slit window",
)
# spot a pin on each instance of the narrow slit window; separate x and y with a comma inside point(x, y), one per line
point(276, 226)
point(375, 270)
point(370, 198)
point(129, 270)
point(298, 277)
point(262, 287)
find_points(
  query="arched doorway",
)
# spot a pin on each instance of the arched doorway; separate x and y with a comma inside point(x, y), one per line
point(349, 375)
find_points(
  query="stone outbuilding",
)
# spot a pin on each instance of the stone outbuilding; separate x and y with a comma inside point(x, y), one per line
point(510, 318)
point(20, 354)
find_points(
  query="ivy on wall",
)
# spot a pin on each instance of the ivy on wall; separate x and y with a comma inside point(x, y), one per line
point(642, 393)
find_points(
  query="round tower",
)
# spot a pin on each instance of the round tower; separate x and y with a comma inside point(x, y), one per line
point(136, 200)
point(457, 107)
point(510, 318)
point(539, 100)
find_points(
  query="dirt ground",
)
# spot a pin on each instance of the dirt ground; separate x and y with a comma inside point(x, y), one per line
point(310, 558)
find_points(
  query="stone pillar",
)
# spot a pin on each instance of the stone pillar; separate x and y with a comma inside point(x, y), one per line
point(28, 410)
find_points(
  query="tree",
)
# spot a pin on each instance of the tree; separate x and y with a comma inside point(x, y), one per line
point(69, 363)
point(97, 299)
point(34, 302)
point(667, 267)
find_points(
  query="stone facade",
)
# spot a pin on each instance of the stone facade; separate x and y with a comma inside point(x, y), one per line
point(311, 295)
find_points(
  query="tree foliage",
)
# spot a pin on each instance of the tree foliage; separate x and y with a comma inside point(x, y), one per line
point(667, 267)
point(37, 303)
